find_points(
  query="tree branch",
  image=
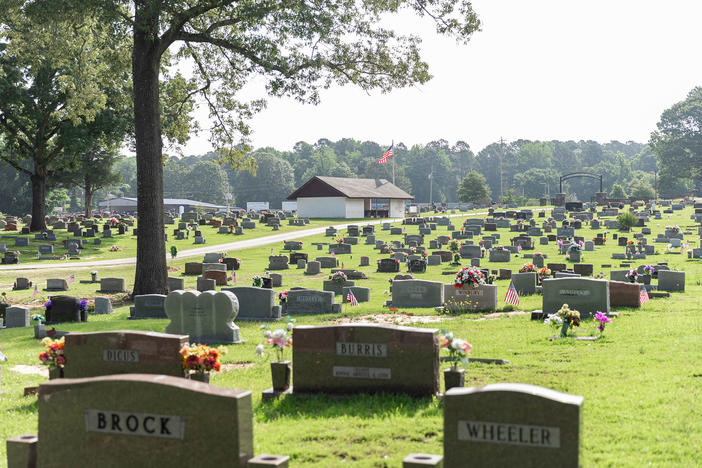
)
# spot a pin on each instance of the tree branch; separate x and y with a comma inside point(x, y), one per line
point(181, 19)
point(15, 165)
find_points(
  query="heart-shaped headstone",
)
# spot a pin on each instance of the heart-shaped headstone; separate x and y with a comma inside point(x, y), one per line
point(206, 316)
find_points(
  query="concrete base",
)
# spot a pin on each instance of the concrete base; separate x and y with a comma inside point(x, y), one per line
point(270, 394)
point(422, 460)
point(22, 451)
point(265, 460)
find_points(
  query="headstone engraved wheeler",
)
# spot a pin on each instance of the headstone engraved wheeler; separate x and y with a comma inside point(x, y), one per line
point(142, 420)
point(509, 425)
point(206, 316)
point(365, 358)
point(123, 352)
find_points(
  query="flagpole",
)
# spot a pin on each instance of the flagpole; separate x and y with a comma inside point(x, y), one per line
point(393, 163)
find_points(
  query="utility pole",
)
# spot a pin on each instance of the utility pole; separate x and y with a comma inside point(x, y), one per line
point(502, 142)
point(393, 164)
point(431, 184)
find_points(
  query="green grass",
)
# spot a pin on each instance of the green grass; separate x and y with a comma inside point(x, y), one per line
point(642, 382)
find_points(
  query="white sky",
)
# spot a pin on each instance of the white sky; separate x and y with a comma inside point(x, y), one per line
point(538, 70)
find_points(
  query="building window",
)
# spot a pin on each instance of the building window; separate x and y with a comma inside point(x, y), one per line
point(380, 204)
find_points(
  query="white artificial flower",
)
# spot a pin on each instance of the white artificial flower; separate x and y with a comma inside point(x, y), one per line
point(278, 334)
point(260, 350)
point(449, 336)
point(458, 344)
point(289, 326)
point(267, 334)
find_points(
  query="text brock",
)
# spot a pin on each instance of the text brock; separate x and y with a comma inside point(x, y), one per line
point(138, 424)
point(506, 433)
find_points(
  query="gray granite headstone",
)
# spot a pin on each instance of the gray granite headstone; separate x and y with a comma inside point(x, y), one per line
point(417, 293)
point(255, 303)
point(56, 284)
point(507, 425)
point(148, 306)
point(112, 285)
point(524, 283)
point(586, 295)
point(309, 301)
point(313, 268)
point(207, 317)
point(483, 297)
point(16, 316)
point(671, 280)
point(175, 283)
point(103, 305)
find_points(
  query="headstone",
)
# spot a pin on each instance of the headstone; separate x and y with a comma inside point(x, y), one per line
point(417, 293)
point(588, 296)
point(327, 262)
point(123, 352)
point(361, 294)
point(65, 309)
point(22, 283)
point(388, 265)
point(278, 262)
point(624, 294)
point(142, 420)
point(16, 316)
point(220, 277)
point(207, 317)
point(175, 283)
point(524, 283)
point(193, 268)
point(103, 305)
point(255, 303)
point(148, 306)
point(309, 301)
point(276, 280)
point(483, 297)
point(56, 284)
point(112, 285)
point(509, 424)
point(365, 358)
point(21, 241)
point(313, 268)
point(671, 280)
point(206, 284)
point(46, 249)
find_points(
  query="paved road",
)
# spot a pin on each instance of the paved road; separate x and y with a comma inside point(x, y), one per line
point(201, 251)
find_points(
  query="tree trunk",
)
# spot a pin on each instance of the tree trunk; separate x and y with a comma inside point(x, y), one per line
point(88, 198)
point(38, 180)
point(151, 274)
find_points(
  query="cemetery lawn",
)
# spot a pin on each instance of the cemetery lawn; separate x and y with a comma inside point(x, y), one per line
point(642, 383)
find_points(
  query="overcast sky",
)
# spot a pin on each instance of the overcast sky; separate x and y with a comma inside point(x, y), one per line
point(538, 70)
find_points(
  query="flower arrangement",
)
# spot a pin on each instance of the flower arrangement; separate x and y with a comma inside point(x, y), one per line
point(300, 242)
point(630, 242)
point(649, 269)
point(632, 275)
point(339, 277)
point(201, 358)
point(499, 247)
point(527, 268)
point(675, 229)
point(339, 240)
point(38, 318)
point(538, 254)
point(278, 339)
point(53, 357)
point(453, 246)
point(257, 282)
point(83, 305)
point(570, 318)
point(469, 275)
point(283, 297)
point(114, 248)
point(457, 348)
point(544, 272)
point(47, 305)
point(603, 319)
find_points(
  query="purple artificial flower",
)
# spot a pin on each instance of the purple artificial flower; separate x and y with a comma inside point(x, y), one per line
point(603, 319)
point(48, 304)
point(83, 305)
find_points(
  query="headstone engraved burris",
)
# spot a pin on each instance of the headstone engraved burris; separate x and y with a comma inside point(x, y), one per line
point(365, 358)
point(508, 425)
point(207, 317)
point(123, 352)
point(141, 420)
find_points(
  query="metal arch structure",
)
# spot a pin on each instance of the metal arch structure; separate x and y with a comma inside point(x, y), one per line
point(573, 175)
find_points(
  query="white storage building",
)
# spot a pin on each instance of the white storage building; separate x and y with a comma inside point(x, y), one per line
point(338, 197)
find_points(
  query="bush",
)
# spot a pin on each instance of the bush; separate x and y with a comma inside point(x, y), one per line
point(626, 220)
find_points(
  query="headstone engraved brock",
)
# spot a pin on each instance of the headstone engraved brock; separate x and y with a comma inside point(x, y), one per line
point(365, 358)
point(507, 425)
point(142, 420)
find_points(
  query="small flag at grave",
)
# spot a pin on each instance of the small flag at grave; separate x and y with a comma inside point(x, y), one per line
point(36, 291)
point(342, 266)
point(387, 154)
point(512, 297)
point(351, 298)
point(332, 254)
point(643, 295)
point(71, 279)
point(393, 309)
point(233, 276)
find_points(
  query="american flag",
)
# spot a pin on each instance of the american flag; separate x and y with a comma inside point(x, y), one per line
point(71, 279)
point(36, 291)
point(233, 276)
point(512, 297)
point(387, 154)
point(643, 296)
point(351, 298)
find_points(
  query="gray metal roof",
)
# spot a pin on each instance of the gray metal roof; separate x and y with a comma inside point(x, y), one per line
point(351, 188)
point(166, 201)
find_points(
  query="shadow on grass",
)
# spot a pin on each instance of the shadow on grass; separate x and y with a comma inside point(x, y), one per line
point(362, 405)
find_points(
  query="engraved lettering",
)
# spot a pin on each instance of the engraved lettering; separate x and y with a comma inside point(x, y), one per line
point(146, 424)
point(132, 423)
point(508, 433)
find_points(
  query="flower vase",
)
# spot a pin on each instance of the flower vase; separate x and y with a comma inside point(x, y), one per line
point(645, 279)
point(454, 377)
point(203, 377)
point(39, 331)
point(280, 373)
point(55, 373)
point(93, 277)
point(564, 329)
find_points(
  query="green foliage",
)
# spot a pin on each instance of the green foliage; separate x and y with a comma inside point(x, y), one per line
point(618, 192)
point(274, 180)
point(474, 189)
point(677, 142)
point(626, 220)
point(174, 251)
point(57, 199)
point(641, 190)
